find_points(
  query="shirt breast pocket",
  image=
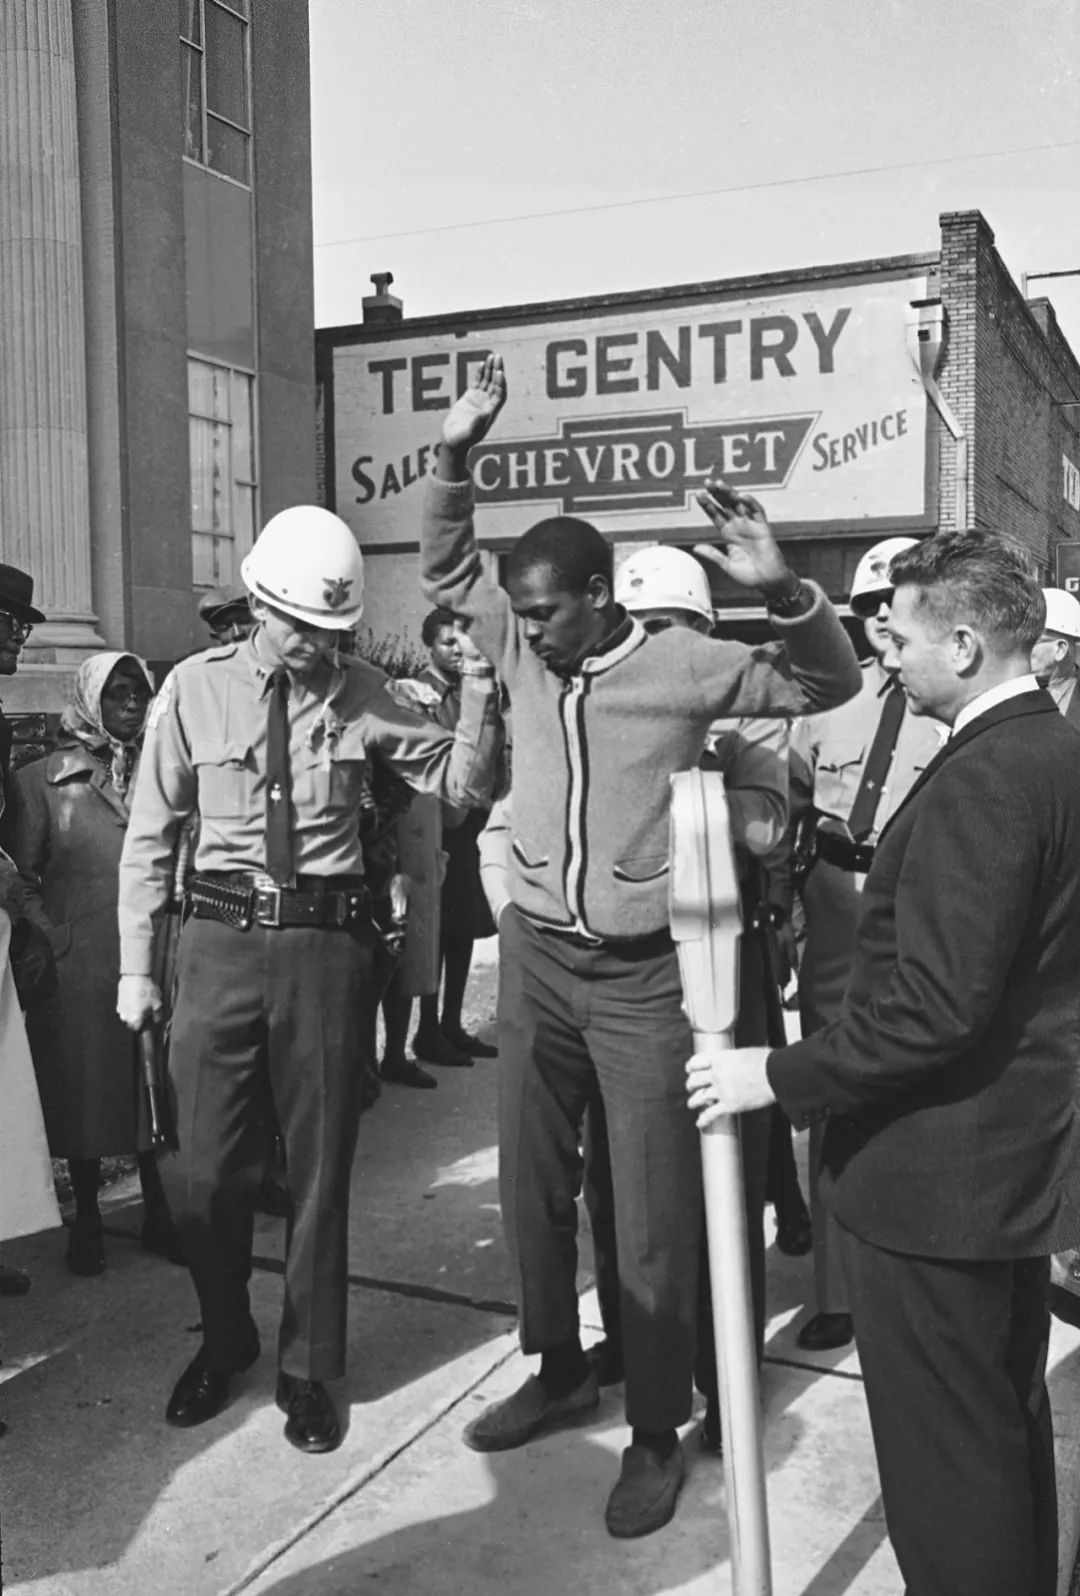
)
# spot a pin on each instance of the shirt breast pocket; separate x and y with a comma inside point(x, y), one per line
point(227, 778)
point(837, 775)
point(334, 783)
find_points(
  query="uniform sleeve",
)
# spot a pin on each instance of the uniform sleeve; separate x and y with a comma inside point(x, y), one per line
point(458, 766)
point(164, 798)
point(494, 847)
point(752, 756)
point(813, 668)
point(452, 574)
point(958, 925)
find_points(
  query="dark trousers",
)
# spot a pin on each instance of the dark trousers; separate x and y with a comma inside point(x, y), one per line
point(751, 1029)
point(953, 1357)
point(278, 1015)
point(600, 1202)
point(575, 1022)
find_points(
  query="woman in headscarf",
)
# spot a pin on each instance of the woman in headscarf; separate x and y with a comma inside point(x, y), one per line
point(71, 811)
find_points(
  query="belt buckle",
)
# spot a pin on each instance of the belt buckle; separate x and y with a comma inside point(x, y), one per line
point(268, 905)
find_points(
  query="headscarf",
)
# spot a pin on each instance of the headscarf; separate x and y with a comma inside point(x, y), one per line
point(81, 719)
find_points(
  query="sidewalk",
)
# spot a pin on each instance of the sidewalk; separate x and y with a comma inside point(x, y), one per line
point(100, 1498)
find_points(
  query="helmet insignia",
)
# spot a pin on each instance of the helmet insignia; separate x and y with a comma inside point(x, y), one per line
point(336, 591)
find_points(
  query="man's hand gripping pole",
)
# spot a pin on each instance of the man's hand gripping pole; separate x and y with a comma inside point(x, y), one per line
point(705, 924)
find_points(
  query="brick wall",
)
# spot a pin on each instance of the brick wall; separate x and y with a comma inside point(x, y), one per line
point(1005, 363)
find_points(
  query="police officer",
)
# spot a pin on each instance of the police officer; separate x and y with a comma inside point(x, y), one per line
point(268, 741)
point(1053, 659)
point(850, 769)
point(227, 614)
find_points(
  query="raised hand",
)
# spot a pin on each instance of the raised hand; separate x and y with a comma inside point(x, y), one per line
point(749, 554)
point(471, 418)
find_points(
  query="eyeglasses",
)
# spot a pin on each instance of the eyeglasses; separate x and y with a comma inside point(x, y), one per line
point(19, 629)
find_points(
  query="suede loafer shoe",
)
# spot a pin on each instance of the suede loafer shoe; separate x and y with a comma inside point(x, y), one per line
point(312, 1423)
point(517, 1418)
point(645, 1493)
point(408, 1074)
point(202, 1392)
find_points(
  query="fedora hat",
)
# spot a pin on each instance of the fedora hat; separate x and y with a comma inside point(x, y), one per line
point(17, 594)
point(219, 600)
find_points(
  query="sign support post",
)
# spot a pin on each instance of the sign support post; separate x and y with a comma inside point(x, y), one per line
point(705, 924)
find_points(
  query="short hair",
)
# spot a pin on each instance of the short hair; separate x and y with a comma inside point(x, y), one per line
point(979, 577)
point(433, 621)
point(572, 550)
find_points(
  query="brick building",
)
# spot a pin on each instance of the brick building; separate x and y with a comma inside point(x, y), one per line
point(910, 394)
point(156, 308)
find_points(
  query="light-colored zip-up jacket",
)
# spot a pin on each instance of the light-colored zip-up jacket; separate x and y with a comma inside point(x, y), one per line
point(594, 752)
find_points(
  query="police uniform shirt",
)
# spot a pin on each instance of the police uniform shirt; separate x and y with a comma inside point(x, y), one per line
point(1063, 691)
point(829, 752)
point(205, 752)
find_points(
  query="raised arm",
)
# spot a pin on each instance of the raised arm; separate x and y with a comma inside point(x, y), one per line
point(452, 573)
point(816, 668)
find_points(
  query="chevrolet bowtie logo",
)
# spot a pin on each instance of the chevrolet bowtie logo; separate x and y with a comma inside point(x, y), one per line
point(648, 462)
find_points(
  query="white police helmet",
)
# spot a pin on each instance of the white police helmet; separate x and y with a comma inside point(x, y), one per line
point(1062, 613)
point(663, 578)
point(872, 572)
point(306, 562)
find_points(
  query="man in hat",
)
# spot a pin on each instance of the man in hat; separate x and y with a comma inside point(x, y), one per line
point(1053, 659)
point(17, 617)
point(226, 611)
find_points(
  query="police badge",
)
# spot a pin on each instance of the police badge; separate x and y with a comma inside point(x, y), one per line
point(336, 591)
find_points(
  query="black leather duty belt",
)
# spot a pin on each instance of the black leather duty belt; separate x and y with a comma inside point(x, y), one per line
point(854, 856)
point(331, 902)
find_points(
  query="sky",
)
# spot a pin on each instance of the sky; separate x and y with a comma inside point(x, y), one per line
point(438, 124)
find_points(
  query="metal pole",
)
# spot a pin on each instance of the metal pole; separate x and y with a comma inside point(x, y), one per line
point(705, 925)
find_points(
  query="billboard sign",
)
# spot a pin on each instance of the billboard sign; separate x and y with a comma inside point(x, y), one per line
point(805, 396)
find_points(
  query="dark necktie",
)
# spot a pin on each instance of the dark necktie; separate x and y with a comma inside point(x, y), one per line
point(279, 851)
point(863, 810)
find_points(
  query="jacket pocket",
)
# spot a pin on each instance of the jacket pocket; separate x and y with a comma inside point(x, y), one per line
point(644, 867)
point(527, 856)
point(227, 776)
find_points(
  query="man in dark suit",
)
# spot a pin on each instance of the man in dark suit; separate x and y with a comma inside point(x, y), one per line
point(947, 1084)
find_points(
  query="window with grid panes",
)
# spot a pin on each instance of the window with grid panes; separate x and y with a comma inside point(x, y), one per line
point(221, 425)
point(216, 85)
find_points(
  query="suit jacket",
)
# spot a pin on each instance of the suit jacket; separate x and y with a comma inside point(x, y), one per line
point(949, 1079)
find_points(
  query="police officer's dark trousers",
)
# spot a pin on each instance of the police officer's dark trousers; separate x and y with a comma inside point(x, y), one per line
point(278, 1010)
point(573, 1021)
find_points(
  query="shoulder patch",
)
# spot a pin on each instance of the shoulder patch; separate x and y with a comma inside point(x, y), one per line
point(162, 701)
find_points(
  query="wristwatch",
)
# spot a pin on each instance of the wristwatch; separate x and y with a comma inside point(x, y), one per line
point(795, 601)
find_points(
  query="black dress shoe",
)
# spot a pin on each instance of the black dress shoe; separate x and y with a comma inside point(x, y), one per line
point(202, 1392)
point(438, 1049)
point(312, 1422)
point(407, 1074)
point(86, 1248)
point(606, 1359)
point(794, 1235)
point(825, 1331)
point(465, 1042)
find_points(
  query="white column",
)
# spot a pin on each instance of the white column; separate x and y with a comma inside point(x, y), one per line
point(44, 487)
